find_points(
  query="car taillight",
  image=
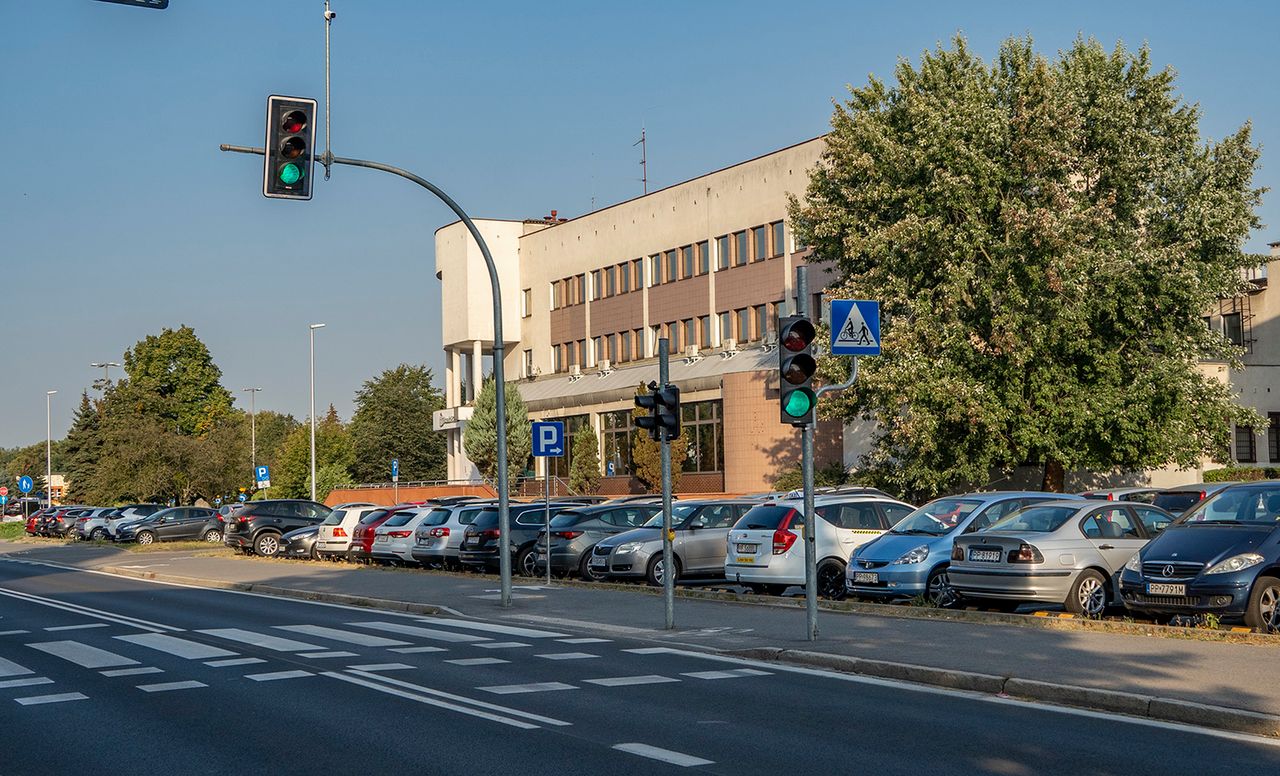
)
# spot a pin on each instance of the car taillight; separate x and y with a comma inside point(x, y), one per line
point(242, 518)
point(398, 534)
point(491, 533)
point(1111, 497)
point(1203, 493)
point(957, 552)
point(782, 541)
point(440, 532)
point(339, 531)
point(566, 534)
point(83, 520)
point(1025, 554)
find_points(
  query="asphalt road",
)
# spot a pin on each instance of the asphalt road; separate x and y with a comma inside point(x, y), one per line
point(101, 674)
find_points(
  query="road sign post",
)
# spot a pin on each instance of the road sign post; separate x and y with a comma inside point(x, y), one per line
point(395, 479)
point(664, 430)
point(548, 442)
point(159, 5)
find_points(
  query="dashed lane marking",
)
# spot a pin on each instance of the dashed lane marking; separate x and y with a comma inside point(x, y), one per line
point(733, 673)
point(36, 700)
point(516, 689)
point(132, 671)
point(502, 645)
point(364, 681)
point(318, 655)
point(663, 755)
point(78, 627)
point(424, 633)
point(28, 682)
point(626, 681)
point(477, 661)
point(238, 661)
point(167, 686)
point(172, 645)
point(83, 655)
point(275, 675)
point(567, 656)
point(488, 627)
point(10, 668)
point(262, 640)
point(418, 650)
point(349, 637)
point(381, 667)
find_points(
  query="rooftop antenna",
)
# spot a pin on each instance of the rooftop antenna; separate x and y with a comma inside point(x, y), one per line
point(644, 160)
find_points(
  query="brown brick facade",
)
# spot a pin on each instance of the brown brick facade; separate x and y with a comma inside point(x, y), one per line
point(757, 446)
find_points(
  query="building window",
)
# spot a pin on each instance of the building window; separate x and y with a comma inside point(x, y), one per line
point(725, 331)
point(775, 312)
point(762, 324)
point(624, 278)
point(624, 342)
point(617, 430)
point(702, 426)
point(1273, 437)
point(690, 333)
point(596, 290)
point(555, 295)
point(759, 235)
point(610, 281)
point(673, 267)
point(655, 270)
point(779, 247)
point(704, 331)
point(673, 331)
point(655, 335)
point(528, 363)
point(582, 352)
point(740, 249)
point(686, 260)
point(722, 252)
point(526, 309)
point(744, 325)
point(639, 343)
point(815, 308)
point(597, 347)
point(557, 358)
point(1246, 451)
point(637, 274)
point(1233, 329)
point(560, 465)
point(704, 257)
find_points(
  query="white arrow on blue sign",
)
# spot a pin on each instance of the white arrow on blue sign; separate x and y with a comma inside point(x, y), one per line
point(25, 484)
point(855, 327)
point(548, 438)
point(395, 469)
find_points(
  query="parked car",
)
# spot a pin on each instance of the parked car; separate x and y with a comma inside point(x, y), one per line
point(172, 524)
point(334, 537)
point(576, 531)
point(1222, 557)
point(1056, 552)
point(764, 553)
point(913, 558)
point(299, 543)
point(94, 524)
point(479, 548)
point(393, 540)
point(258, 527)
point(32, 527)
point(129, 513)
point(361, 550)
point(1180, 499)
point(62, 523)
point(1141, 495)
point(438, 539)
point(701, 528)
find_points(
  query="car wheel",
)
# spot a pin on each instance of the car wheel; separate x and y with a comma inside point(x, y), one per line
point(527, 562)
point(314, 554)
point(213, 535)
point(146, 537)
point(831, 580)
point(1088, 596)
point(938, 589)
point(97, 534)
point(585, 571)
point(267, 544)
point(656, 571)
point(1263, 614)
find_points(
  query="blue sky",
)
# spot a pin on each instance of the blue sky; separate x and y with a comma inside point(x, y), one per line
point(118, 215)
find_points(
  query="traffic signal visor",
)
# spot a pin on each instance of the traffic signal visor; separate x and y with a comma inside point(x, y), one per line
point(796, 368)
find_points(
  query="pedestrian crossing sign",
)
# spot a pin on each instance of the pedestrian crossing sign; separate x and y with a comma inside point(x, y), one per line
point(855, 327)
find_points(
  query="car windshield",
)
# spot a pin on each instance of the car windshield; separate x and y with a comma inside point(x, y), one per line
point(767, 517)
point(335, 517)
point(1176, 501)
point(435, 517)
point(373, 516)
point(1034, 520)
point(567, 518)
point(678, 515)
point(1237, 505)
point(936, 518)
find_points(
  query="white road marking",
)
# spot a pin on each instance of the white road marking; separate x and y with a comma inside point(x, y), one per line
point(191, 650)
point(567, 656)
point(28, 682)
point(262, 640)
point(506, 630)
point(167, 686)
point(664, 755)
point(271, 677)
point(79, 627)
point(238, 661)
point(624, 681)
point(350, 637)
point(431, 701)
point(417, 650)
point(10, 668)
point(83, 654)
point(477, 661)
point(86, 611)
point(515, 689)
point(583, 641)
point(650, 650)
point(733, 673)
point(13, 632)
point(132, 671)
point(327, 654)
point(381, 667)
point(425, 633)
point(463, 699)
point(36, 700)
point(502, 645)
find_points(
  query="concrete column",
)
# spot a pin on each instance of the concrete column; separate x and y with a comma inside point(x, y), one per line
point(449, 392)
point(477, 367)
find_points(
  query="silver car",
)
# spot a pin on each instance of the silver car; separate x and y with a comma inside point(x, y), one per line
point(1057, 552)
point(701, 530)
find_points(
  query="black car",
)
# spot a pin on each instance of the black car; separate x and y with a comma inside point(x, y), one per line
point(168, 525)
point(1220, 557)
point(258, 527)
point(479, 550)
point(299, 543)
point(575, 531)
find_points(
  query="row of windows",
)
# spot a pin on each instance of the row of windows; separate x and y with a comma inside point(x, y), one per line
point(701, 426)
point(758, 243)
point(1246, 441)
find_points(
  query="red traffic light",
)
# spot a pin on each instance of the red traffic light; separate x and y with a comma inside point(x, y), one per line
point(798, 335)
point(294, 122)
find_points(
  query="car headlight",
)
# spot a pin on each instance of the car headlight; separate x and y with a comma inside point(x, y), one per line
point(626, 547)
point(1135, 563)
point(915, 556)
point(1236, 563)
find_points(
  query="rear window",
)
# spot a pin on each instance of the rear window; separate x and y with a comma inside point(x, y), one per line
point(335, 517)
point(435, 517)
point(1176, 501)
point(467, 516)
point(400, 518)
point(766, 517)
point(1034, 520)
point(568, 518)
point(373, 516)
point(487, 518)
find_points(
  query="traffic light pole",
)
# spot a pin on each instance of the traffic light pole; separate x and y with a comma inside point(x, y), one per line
point(500, 399)
point(668, 562)
point(806, 473)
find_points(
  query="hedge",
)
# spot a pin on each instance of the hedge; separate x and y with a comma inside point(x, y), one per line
point(1242, 474)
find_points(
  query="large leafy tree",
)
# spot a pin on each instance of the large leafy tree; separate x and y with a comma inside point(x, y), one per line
point(171, 377)
point(481, 435)
point(393, 420)
point(1044, 237)
point(292, 476)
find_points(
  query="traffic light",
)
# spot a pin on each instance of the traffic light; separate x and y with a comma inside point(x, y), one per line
point(796, 366)
point(289, 151)
point(663, 405)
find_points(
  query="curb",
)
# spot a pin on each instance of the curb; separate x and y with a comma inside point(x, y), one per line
point(281, 592)
point(1133, 704)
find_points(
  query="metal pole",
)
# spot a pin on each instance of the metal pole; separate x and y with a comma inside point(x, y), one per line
point(499, 374)
point(668, 561)
point(806, 470)
point(327, 159)
point(546, 514)
point(48, 447)
point(313, 328)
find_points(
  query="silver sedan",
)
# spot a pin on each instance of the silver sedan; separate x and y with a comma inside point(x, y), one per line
point(1056, 552)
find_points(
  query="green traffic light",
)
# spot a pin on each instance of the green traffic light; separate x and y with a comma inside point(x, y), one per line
point(798, 404)
point(290, 174)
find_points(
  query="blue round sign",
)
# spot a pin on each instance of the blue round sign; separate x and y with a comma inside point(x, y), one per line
point(243, 497)
point(25, 484)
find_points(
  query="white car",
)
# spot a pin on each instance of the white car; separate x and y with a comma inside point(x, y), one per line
point(765, 548)
point(393, 540)
point(437, 540)
point(334, 538)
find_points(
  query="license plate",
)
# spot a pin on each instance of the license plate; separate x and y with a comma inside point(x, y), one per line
point(866, 578)
point(985, 556)
point(751, 548)
point(597, 562)
point(423, 540)
point(1162, 588)
point(745, 559)
point(380, 538)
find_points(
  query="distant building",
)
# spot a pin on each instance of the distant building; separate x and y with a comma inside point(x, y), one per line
point(57, 487)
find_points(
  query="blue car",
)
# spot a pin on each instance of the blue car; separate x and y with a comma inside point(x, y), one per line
point(1222, 557)
point(912, 558)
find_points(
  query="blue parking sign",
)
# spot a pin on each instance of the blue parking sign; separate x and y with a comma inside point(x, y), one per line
point(263, 476)
point(548, 438)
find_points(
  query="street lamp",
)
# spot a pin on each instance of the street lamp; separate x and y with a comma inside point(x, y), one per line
point(253, 430)
point(105, 366)
point(48, 448)
point(314, 326)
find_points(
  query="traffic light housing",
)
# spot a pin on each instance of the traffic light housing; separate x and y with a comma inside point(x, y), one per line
point(289, 157)
point(796, 366)
point(663, 404)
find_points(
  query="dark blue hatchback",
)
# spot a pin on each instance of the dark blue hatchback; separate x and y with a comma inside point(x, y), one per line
point(1222, 556)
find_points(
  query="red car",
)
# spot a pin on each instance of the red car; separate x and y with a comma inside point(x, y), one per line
point(33, 522)
point(362, 536)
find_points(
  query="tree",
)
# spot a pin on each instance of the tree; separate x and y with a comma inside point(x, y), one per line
point(584, 472)
point(393, 419)
point(1044, 237)
point(272, 428)
point(171, 376)
point(646, 454)
point(481, 435)
point(292, 478)
point(82, 449)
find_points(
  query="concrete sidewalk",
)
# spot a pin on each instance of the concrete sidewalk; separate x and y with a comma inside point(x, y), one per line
point(981, 656)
